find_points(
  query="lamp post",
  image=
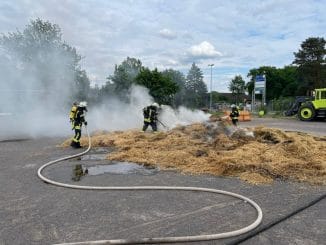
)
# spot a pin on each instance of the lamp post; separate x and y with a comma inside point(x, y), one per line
point(210, 95)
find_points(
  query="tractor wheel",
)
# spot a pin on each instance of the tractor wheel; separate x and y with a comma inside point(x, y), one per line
point(306, 113)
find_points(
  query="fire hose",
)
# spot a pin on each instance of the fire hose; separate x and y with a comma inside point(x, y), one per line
point(142, 188)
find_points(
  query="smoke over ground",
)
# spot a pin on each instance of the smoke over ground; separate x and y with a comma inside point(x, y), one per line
point(40, 77)
point(43, 119)
point(34, 96)
point(117, 115)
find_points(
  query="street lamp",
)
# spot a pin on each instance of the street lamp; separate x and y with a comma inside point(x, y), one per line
point(210, 95)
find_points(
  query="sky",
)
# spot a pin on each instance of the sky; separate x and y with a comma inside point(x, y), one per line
point(235, 36)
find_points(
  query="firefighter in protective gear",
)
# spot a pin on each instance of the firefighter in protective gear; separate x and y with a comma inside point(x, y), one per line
point(234, 115)
point(78, 121)
point(72, 113)
point(150, 116)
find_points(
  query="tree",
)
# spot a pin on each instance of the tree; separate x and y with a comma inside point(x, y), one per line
point(124, 76)
point(279, 81)
point(42, 62)
point(161, 87)
point(290, 81)
point(196, 89)
point(250, 86)
point(311, 63)
point(178, 78)
point(95, 95)
point(82, 85)
point(237, 86)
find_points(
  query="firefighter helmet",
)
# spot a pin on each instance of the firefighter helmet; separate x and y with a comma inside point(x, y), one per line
point(82, 104)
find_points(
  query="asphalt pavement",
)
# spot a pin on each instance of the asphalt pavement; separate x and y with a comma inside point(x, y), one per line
point(33, 212)
point(317, 128)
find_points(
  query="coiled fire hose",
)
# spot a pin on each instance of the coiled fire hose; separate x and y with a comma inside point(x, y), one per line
point(141, 188)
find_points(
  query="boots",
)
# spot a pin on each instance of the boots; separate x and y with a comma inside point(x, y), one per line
point(75, 144)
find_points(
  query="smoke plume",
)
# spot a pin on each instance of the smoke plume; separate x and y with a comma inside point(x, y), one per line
point(28, 111)
point(117, 115)
point(39, 78)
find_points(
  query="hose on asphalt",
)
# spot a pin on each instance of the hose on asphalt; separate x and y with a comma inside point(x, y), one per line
point(141, 188)
point(277, 221)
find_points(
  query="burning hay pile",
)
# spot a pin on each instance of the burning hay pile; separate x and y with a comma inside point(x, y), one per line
point(257, 156)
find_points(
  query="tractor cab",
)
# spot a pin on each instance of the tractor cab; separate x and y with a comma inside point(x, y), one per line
point(320, 98)
point(315, 108)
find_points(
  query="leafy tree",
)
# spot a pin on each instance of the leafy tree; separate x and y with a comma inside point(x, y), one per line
point(108, 90)
point(250, 86)
point(82, 85)
point(237, 87)
point(41, 61)
point(279, 81)
point(124, 76)
point(290, 81)
point(196, 89)
point(178, 78)
point(161, 87)
point(95, 95)
point(311, 63)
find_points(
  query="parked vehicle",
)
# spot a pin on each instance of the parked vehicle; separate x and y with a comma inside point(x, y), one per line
point(309, 108)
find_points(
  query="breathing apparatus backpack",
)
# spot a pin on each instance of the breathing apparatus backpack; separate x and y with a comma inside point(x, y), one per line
point(146, 112)
point(73, 111)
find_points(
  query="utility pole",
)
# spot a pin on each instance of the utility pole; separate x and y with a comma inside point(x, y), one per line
point(210, 94)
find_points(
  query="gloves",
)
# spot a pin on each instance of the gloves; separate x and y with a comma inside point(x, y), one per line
point(85, 123)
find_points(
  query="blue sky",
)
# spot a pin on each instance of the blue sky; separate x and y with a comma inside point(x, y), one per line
point(235, 36)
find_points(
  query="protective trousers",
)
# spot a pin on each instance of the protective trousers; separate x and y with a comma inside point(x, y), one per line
point(76, 140)
point(152, 123)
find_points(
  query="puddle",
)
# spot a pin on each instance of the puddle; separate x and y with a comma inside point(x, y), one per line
point(113, 167)
point(93, 157)
point(99, 150)
point(122, 168)
point(96, 154)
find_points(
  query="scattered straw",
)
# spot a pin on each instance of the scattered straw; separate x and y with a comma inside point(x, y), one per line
point(216, 149)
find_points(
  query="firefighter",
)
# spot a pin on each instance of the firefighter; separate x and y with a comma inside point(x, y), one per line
point(78, 121)
point(150, 116)
point(234, 115)
point(73, 113)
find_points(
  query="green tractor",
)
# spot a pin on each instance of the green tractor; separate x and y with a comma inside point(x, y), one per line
point(313, 109)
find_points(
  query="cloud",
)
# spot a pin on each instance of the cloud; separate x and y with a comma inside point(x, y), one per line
point(204, 50)
point(172, 62)
point(168, 34)
point(248, 35)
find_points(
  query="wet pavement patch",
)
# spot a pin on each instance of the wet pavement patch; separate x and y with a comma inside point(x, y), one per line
point(112, 167)
point(96, 154)
point(93, 157)
point(78, 172)
point(121, 168)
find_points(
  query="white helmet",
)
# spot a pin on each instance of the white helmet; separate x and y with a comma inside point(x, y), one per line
point(82, 104)
point(155, 104)
point(233, 106)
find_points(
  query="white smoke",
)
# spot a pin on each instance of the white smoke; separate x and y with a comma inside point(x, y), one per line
point(41, 119)
point(181, 116)
point(117, 115)
point(36, 95)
